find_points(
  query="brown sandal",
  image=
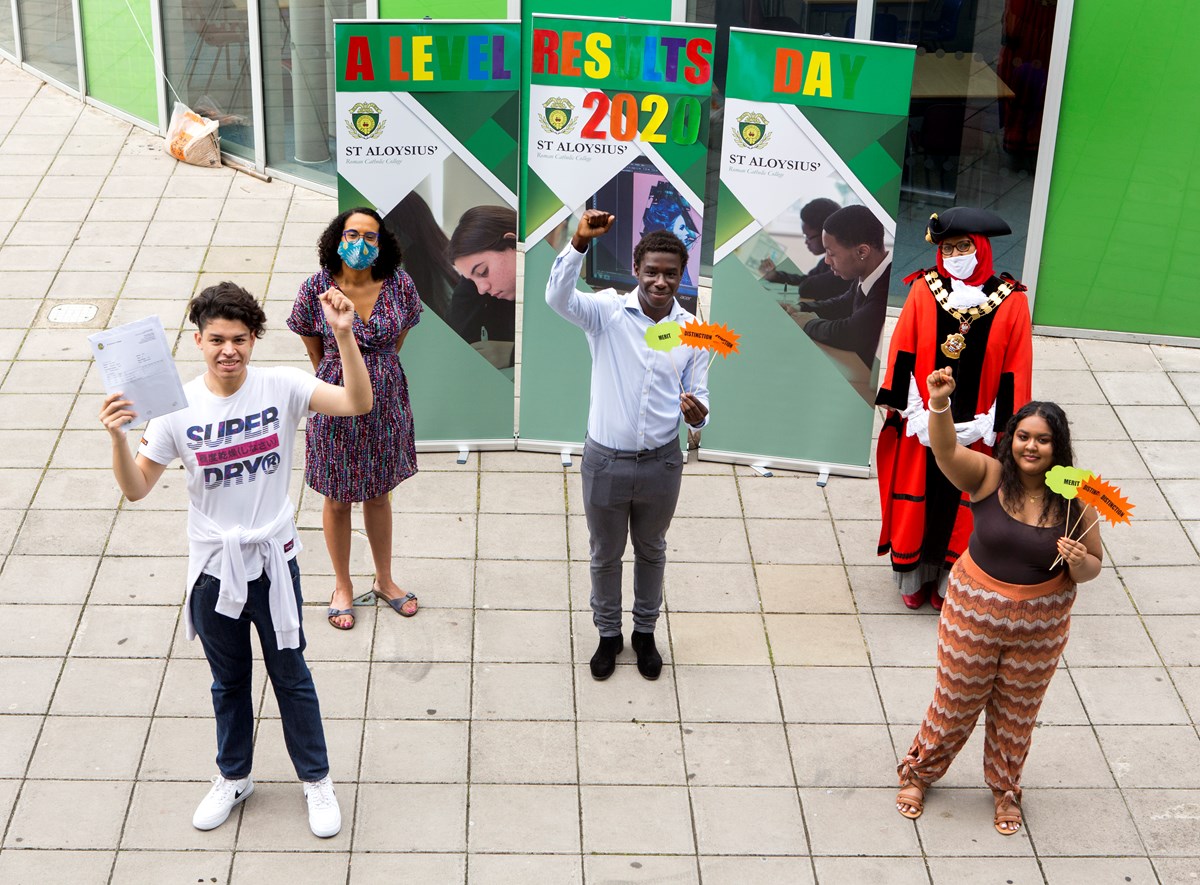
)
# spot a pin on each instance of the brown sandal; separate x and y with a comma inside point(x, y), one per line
point(912, 794)
point(912, 788)
point(1008, 811)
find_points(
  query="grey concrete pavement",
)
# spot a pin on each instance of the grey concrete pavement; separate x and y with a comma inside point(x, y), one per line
point(469, 744)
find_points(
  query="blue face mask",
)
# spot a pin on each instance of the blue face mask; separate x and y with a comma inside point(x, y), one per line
point(359, 255)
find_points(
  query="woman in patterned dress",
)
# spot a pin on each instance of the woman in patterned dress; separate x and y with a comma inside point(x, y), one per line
point(362, 458)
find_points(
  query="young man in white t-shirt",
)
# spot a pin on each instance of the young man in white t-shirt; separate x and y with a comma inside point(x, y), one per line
point(235, 440)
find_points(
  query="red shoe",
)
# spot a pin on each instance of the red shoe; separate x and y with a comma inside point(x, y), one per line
point(915, 600)
point(936, 599)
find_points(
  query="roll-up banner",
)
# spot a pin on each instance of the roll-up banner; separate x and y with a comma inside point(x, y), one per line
point(429, 134)
point(666, 10)
point(812, 125)
point(617, 119)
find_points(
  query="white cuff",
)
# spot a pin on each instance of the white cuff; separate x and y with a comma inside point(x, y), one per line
point(915, 416)
point(915, 403)
point(981, 428)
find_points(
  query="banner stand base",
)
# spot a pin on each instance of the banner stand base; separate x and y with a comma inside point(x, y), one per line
point(823, 478)
point(758, 463)
point(549, 446)
point(565, 455)
point(463, 447)
point(761, 470)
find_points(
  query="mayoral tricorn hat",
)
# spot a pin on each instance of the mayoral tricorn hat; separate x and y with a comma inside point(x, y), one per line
point(962, 220)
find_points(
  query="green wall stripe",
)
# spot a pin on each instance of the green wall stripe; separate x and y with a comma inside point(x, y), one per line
point(1120, 249)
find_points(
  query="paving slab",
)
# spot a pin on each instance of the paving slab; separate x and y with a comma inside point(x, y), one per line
point(470, 744)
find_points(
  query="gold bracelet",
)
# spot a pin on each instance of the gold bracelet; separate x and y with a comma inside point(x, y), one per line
point(939, 411)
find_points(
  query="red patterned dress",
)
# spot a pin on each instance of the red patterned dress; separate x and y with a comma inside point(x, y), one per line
point(362, 457)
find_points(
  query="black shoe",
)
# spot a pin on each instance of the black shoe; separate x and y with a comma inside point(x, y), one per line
point(649, 660)
point(604, 661)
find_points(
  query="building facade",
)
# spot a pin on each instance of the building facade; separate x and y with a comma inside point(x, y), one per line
point(1026, 107)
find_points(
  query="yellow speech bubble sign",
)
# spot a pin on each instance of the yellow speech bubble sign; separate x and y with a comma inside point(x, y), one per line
point(1066, 481)
point(664, 336)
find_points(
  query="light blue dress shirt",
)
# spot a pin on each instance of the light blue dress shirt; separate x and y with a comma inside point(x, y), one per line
point(635, 390)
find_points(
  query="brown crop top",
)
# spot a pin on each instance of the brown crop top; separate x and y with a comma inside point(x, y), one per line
point(1008, 549)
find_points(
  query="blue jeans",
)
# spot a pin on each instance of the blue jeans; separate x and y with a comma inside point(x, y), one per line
point(226, 644)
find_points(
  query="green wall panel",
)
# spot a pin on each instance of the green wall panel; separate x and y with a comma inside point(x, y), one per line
point(118, 56)
point(443, 9)
point(1123, 226)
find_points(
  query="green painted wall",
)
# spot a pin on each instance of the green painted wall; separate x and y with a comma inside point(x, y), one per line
point(119, 61)
point(443, 9)
point(1122, 247)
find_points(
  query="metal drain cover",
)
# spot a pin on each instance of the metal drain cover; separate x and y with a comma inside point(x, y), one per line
point(74, 314)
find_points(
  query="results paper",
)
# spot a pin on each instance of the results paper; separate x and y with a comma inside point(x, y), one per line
point(135, 359)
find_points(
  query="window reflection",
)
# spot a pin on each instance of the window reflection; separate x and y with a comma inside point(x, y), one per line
point(48, 38)
point(979, 91)
point(298, 87)
point(207, 46)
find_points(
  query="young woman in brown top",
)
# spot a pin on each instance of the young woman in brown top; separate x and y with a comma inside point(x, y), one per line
point(1008, 609)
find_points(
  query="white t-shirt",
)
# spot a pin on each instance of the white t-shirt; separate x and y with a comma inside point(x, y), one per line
point(237, 451)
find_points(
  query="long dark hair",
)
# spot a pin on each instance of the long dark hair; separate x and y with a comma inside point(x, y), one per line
point(1054, 507)
point(425, 247)
point(389, 250)
point(484, 229)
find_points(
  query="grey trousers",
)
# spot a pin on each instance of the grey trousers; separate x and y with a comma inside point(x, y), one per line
point(624, 494)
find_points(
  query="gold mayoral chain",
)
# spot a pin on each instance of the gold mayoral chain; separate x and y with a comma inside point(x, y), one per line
point(956, 342)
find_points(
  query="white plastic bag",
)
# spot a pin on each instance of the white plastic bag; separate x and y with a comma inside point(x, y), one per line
point(192, 138)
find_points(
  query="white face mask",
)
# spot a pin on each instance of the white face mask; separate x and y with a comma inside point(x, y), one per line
point(960, 266)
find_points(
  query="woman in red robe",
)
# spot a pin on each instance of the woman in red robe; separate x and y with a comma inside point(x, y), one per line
point(958, 314)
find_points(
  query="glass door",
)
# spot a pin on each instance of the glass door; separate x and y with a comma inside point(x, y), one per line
point(48, 39)
point(207, 64)
point(975, 122)
point(298, 89)
point(8, 35)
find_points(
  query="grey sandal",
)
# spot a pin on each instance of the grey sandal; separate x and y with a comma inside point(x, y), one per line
point(397, 604)
point(340, 613)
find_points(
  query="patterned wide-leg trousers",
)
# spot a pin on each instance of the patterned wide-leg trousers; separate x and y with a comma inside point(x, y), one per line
point(998, 647)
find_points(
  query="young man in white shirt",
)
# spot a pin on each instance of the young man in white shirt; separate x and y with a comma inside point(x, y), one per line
point(235, 440)
point(632, 464)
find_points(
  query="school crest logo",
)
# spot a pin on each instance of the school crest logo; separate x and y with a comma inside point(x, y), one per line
point(366, 120)
point(558, 116)
point(751, 131)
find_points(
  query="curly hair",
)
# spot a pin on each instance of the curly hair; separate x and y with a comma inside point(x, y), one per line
point(389, 250)
point(1055, 508)
point(660, 241)
point(227, 301)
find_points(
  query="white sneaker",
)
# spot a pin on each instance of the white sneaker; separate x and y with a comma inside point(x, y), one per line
point(214, 808)
point(324, 815)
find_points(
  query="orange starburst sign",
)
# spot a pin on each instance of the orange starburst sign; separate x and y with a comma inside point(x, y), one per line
point(1106, 498)
point(710, 336)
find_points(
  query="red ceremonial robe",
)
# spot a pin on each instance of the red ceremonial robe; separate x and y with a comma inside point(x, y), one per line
point(925, 518)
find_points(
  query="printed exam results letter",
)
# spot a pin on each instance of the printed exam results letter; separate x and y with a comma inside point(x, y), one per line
point(135, 359)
